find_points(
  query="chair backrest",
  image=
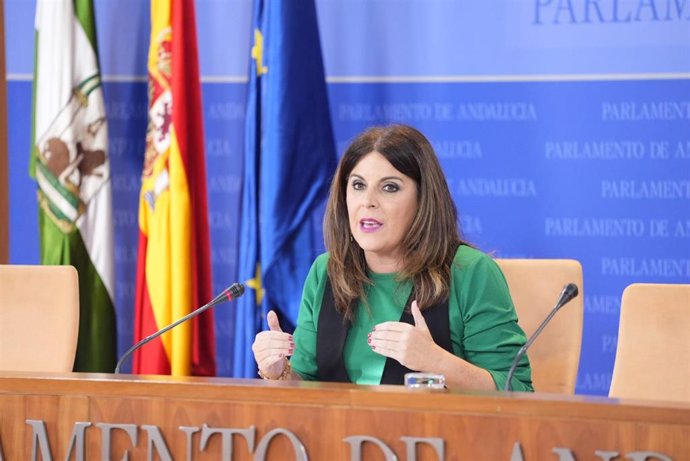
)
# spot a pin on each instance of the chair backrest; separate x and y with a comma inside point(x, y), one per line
point(653, 354)
point(39, 317)
point(534, 286)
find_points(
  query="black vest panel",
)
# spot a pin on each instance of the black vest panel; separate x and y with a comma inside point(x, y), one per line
point(332, 330)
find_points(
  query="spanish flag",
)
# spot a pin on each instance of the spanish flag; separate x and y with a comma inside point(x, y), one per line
point(173, 267)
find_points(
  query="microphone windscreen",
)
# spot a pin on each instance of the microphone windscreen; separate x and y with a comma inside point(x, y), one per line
point(570, 292)
point(237, 289)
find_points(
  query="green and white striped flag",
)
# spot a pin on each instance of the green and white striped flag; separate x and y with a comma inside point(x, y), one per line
point(69, 160)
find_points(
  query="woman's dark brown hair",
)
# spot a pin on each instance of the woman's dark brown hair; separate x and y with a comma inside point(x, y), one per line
point(429, 246)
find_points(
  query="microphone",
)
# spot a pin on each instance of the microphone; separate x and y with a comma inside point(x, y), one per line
point(234, 291)
point(569, 292)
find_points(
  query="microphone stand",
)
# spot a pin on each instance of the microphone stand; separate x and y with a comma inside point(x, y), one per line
point(569, 292)
point(234, 291)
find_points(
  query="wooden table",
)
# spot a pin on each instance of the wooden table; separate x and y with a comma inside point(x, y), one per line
point(106, 417)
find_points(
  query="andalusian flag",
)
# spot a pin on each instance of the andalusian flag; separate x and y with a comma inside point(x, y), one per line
point(174, 268)
point(69, 160)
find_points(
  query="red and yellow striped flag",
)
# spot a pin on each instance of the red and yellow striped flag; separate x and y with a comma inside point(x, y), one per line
point(173, 267)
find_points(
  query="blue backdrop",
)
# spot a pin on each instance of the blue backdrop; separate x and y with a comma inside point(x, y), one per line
point(563, 128)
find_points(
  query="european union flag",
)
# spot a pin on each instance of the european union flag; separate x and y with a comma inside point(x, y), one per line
point(289, 161)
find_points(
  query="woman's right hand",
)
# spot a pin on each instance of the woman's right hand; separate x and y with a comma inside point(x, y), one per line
point(272, 347)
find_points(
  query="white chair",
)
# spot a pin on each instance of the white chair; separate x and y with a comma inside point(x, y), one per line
point(653, 354)
point(534, 286)
point(39, 318)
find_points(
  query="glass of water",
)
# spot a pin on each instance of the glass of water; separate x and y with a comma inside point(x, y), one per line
point(425, 381)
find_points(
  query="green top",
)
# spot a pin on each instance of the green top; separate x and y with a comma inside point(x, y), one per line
point(483, 322)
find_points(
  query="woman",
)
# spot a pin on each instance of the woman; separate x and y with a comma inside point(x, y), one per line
point(398, 290)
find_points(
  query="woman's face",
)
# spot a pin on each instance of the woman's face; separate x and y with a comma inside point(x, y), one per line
point(381, 204)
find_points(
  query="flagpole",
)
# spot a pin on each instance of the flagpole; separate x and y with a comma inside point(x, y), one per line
point(4, 175)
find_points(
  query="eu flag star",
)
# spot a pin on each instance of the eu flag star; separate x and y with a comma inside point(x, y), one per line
point(258, 53)
point(255, 284)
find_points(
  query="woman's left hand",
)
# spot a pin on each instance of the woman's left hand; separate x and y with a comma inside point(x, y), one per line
point(411, 345)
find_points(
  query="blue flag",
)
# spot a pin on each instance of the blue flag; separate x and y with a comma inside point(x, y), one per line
point(288, 164)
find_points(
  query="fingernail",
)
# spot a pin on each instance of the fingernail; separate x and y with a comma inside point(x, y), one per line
point(373, 347)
